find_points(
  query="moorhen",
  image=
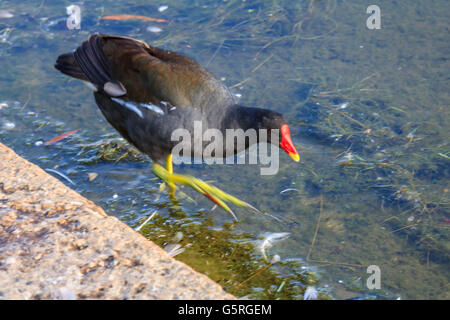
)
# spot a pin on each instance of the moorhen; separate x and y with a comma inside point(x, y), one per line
point(146, 93)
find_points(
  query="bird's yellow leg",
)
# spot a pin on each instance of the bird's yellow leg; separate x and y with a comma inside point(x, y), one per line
point(169, 164)
point(214, 194)
point(169, 168)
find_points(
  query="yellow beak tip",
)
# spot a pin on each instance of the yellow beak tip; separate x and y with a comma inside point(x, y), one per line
point(295, 156)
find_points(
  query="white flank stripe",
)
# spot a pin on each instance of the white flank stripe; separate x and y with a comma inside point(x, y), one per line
point(152, 107)
point(129, 106)
point(135, 107)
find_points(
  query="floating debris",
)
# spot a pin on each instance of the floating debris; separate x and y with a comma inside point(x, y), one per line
point(444, 155)
point(163, 8)
point(273, 217)
point(60, 137)
point(310, 294)
point(61, 175)
point(8, 125)
point(343, 105)
point(347, 159)
point(92, 176)
point(132, 17)
point(146, 221)
point(173, 249)
point(4, 34)
point(275, 259)
point(3, 105)
point(406, 193)
point(411, 136)
point(154, 29)
point(5, 14)
point(270, 239)
point(38, 143)
point(178, 237)
point(281, 286)
point(289, 189)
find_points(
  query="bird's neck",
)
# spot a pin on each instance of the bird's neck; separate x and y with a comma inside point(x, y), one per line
point(240, 117)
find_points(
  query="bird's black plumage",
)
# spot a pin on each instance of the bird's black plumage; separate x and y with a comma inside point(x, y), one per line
point(146, 93)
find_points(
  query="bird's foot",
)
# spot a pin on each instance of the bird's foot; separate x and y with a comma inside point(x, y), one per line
point(216, 195)
point(171, 190)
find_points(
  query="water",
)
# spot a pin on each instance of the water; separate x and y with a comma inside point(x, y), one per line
point(368, 111)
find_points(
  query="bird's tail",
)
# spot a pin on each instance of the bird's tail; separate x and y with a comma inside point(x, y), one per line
point(88, 62)
point(67, 64)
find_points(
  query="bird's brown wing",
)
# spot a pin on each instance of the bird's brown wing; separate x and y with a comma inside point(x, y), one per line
point(150, 74)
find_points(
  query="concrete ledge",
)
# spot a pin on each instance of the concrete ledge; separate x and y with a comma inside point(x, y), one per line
point(55, 244)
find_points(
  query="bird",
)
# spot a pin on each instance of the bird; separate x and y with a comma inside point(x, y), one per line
point(146, 93)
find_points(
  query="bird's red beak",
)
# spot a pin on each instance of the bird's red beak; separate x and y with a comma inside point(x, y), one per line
point(286, 143)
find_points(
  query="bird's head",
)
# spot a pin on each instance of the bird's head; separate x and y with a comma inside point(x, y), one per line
point(274, 120)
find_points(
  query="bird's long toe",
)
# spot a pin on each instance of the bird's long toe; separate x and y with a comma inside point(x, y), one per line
point(216, 195)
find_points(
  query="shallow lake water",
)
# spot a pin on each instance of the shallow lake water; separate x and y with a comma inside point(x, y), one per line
point(368, 111)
